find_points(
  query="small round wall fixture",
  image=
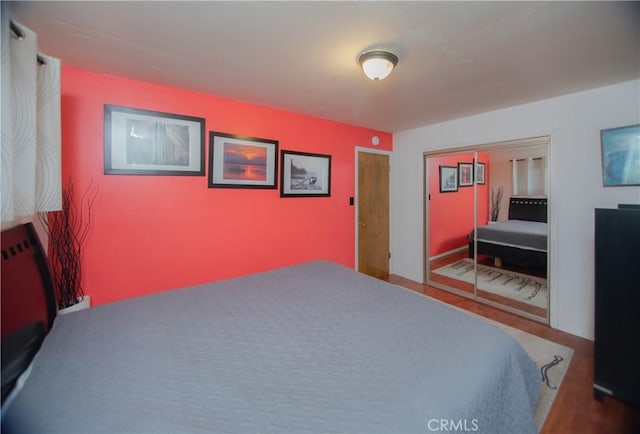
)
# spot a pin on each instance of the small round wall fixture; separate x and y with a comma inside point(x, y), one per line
point(377, 64)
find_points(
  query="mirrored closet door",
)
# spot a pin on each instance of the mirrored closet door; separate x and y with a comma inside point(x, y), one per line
point(449, 222)
point(486, 233)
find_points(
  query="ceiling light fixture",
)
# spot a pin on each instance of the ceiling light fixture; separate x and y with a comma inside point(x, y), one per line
point(377, 64)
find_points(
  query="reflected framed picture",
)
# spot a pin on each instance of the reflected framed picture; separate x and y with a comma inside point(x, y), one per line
point(620, 156)
point(242, 161)
point(305, 175)
point(479, 170)
point(145, 142)
point(465, 174)
point(448, 179)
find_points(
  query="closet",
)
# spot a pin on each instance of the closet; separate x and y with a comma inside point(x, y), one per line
point(486, 229)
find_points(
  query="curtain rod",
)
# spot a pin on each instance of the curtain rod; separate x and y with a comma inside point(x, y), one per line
point(524, 159)
point(18, 33)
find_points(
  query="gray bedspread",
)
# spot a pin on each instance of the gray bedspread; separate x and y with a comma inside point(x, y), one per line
point(315, 347)
point(516, 233)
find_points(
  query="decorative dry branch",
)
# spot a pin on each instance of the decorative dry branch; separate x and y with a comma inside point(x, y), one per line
point(68, 230)
point(496, 202)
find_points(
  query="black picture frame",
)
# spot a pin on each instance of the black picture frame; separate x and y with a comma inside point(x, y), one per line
point(465, 174)
point(305, 174)
point(237, 161)
point(480, 173)
point(448, 179)
point(147, 142)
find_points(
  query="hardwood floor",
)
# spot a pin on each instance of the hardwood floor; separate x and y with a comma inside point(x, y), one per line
point(574, 409)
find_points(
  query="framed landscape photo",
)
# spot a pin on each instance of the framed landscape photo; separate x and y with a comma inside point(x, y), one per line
point(479, 170)
point(305, 175)
point(465, 174)
point(448, 179)
point(620, 156)
point(242, 161)
point(145, 142)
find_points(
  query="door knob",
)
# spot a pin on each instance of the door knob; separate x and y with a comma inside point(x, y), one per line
point(361, 225)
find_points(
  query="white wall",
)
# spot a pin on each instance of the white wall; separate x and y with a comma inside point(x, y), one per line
point(574, 123)
point(501, 176)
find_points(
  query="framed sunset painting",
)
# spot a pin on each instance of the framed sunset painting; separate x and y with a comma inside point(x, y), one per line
point(241, 161)
point(465, 174)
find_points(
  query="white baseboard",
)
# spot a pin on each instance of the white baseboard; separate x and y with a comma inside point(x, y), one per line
point(450, 252)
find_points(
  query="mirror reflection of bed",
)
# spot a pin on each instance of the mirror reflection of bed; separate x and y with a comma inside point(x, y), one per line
point(517, 247)
point(511, 257)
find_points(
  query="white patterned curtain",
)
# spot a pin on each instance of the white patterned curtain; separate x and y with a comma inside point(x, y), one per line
point(31, 165)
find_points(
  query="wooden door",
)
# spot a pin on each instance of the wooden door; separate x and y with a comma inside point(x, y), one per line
point(373, 214)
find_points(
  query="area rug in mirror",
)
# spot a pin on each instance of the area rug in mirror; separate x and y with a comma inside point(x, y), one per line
point(516, 286)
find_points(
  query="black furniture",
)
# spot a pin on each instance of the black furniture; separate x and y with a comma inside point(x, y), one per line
point(617, 304)
point(28, 301)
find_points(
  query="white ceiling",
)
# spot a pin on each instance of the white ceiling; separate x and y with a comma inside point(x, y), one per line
point(456, 58)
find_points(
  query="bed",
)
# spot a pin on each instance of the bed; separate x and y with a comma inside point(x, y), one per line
point(312, 347)
point(521, 240)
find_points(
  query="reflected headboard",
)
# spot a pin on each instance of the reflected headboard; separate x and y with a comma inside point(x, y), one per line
point(532, 209)
point(27, 288)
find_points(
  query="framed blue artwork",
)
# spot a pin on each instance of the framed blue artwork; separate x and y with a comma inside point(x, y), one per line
point(620, 156)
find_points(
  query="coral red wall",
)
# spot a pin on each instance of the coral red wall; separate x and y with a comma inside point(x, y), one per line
point(451, 213)
point(154, 233)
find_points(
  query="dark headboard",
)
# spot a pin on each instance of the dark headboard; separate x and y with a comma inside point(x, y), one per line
point(532, 209)
point(27, 288)
point(28, 302)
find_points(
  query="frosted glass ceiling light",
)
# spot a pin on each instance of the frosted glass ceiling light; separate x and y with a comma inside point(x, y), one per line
point(377, 64)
